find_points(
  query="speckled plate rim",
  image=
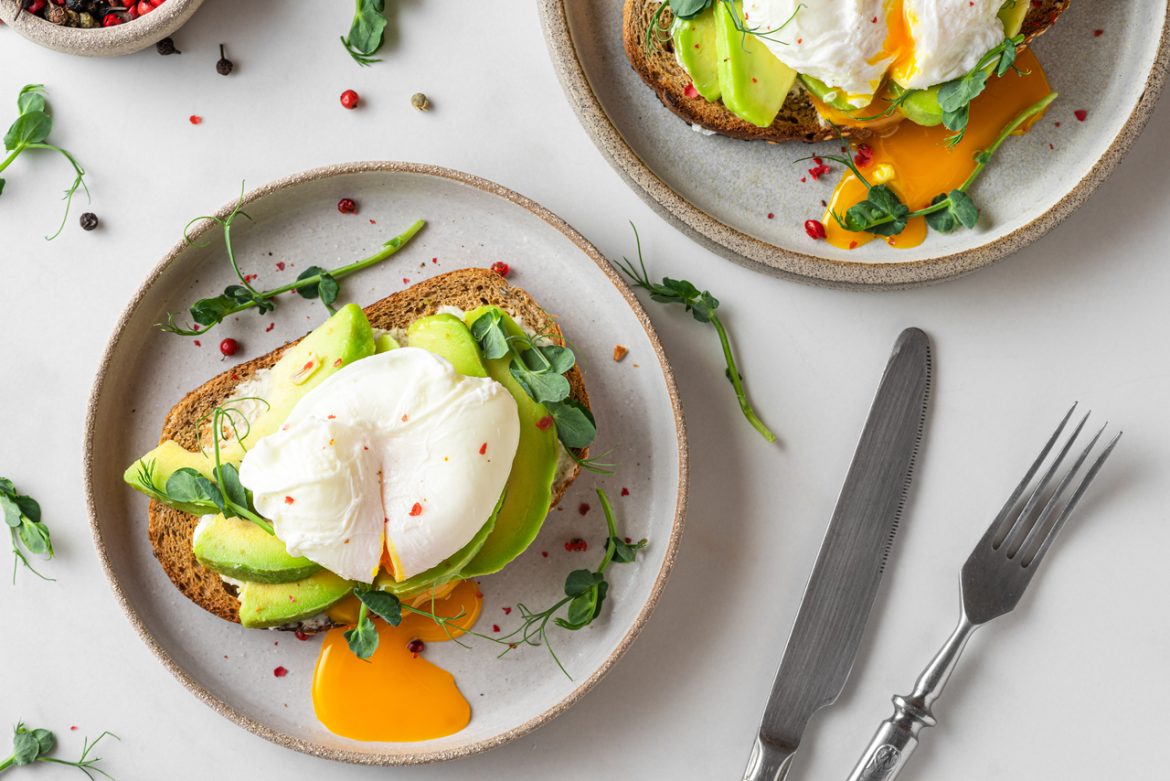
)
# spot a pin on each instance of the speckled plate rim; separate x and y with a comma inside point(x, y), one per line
point(759, 255)
point(101, 41)
point(420, 757)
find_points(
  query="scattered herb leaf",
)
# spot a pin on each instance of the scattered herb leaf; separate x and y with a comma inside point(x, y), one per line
point(31, 131)
point(314, 282)
point(30, 535)
point(366, 31)
point(35, 745)
point(702, 306)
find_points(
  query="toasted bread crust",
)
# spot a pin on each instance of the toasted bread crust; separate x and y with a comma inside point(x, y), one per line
point(170, 531)
point(798, 119)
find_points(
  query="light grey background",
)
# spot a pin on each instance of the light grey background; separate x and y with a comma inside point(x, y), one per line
point(1073, 685)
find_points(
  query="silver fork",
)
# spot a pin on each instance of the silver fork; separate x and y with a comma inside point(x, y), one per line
point(992, 582)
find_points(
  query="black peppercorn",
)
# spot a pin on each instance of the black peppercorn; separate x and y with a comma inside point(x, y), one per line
point(89, 221)
point(224, 66)
point(166, 46)
point(76, 5)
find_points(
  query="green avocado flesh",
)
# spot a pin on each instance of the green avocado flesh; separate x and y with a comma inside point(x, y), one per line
point(694, 46)
point(529, 487)
point(385, 343)
point(826, 94)
point(447, 337)
point(342, 339)
point(265, 605)
point(753, 83)
point(242, 550)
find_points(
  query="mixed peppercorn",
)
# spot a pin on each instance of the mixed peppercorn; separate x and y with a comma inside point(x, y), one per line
point(89, 13)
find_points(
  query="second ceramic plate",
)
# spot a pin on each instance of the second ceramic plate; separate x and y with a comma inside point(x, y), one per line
point(471, 222)
point(722, 191)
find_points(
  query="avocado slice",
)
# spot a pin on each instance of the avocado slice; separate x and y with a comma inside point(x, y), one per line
point(753, 82)
point(150, 473)
point(828, 95)
point(385, 343)
point(447, 337)
point(529, 490)
point(264, 605)
point(694, 47)
point(339, 341)
point(342, 339)
point(1012, 15)
point(242, 550)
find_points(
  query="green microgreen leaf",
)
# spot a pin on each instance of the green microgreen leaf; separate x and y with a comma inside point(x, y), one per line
point(29, 535)
point(688, 9)
point(702, 306)
point(31, 130)
point(366, 31)
point(576, 427)
point(363, 638)
point(384, 605)
point(312, 283)
point(960, 211)
point(488, 332)
point(36, 745)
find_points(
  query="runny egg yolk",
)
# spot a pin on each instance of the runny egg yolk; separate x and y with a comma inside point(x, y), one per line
point(396, 696)
point(916, 163)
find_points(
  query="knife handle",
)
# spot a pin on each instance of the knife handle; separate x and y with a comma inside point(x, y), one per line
point(769, 761)
point(897, 737)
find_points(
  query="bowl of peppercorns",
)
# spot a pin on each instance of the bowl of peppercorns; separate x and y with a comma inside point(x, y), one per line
point(96, 28)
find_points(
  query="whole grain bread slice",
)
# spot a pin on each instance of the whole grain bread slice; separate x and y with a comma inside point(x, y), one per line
point(170, 530)
point(798, 119)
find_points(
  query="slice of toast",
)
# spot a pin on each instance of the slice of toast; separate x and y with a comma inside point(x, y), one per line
point(171, 530)
point(798, 119)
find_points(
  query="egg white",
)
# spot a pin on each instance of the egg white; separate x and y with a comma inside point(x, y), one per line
point(949, 38)
point(342, 476)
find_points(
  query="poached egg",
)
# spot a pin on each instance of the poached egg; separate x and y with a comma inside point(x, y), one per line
point(396, 452)
point(852, 45)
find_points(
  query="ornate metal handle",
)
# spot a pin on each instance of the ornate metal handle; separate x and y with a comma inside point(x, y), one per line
point(897, 737)
point(769, 761)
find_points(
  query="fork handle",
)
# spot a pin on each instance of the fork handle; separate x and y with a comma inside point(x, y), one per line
point(897, 737)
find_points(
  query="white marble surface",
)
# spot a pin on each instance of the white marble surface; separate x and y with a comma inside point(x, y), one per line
point(1074, 685)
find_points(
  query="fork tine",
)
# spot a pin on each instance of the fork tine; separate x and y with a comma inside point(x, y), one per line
point(1005, 520)
point(1039, 528)
point(1046, 543)
point(1026, 520)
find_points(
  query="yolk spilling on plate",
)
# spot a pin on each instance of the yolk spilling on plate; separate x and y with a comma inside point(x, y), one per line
point(396, 695)
point(915, 162)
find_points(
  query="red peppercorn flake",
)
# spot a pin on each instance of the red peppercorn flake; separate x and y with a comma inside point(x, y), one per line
point(289, 500)
point(73, 728)
point(583, 508)
point(1098, 33)
point(544, 423)
point(198, 343)
point(416, 510)
point(625, 491)
point(280, 671)
point(629, 540)
point(544, 553)
point(416, 647)
point(229, 346)
point(1081, 114)
point(853, 245)
point(405, 281)
point(483, 449)
point(300, 635)
point(820, 170)
point(270, 326)
point(771, 215)
point(501, 268)
point(280, 265)
point(496, 628)
point(576, 545)
point(863, 156)
point(347, 206)
point(350, 99)
point(815, 229)
point(194, 119)
point(690, 91)
point(507, 611)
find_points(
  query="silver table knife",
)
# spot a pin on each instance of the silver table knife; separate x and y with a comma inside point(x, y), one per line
point(845, 580)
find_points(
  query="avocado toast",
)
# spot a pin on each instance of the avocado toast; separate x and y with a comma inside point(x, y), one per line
point(298, 591)
point(797, 119)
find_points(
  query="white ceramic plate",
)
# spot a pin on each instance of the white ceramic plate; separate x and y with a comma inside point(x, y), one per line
point(471, 223)
point(721, 190)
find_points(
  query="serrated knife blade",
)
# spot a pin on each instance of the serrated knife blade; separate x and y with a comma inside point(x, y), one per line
point(840, 592)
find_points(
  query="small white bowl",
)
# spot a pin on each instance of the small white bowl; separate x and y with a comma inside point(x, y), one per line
point(114, 41)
